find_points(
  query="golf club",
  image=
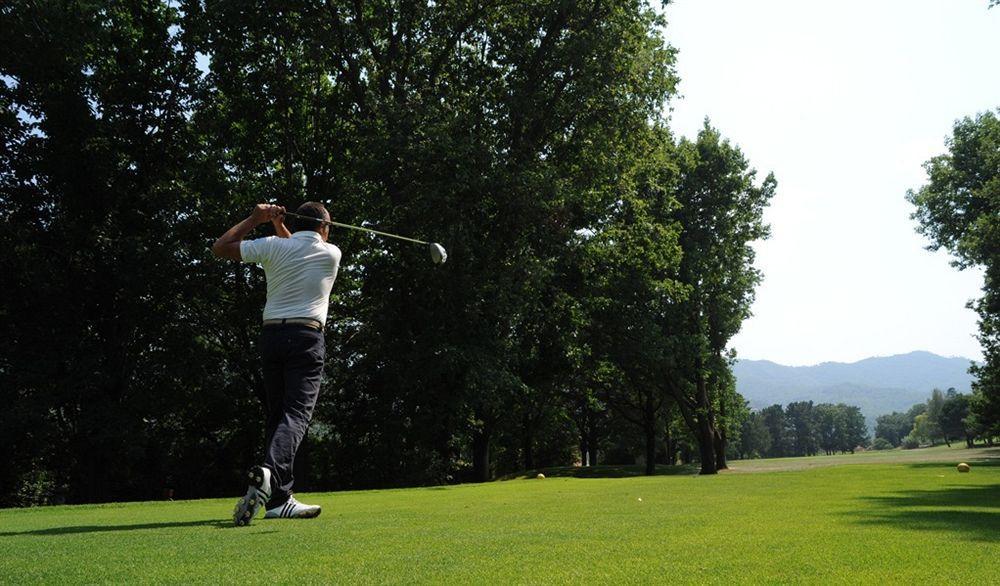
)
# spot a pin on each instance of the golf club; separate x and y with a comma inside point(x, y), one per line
point(438, 253)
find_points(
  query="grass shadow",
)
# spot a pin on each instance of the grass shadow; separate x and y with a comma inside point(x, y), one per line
point(949, 466)
point(624, 471)
point(973, 511)
point(75, 529)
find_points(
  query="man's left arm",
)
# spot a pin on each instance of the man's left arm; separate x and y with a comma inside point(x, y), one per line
point(279, 225)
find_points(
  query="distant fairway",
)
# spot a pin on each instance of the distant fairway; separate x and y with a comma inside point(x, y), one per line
point(878, 517)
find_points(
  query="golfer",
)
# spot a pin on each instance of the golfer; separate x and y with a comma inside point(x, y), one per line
point(300, 267)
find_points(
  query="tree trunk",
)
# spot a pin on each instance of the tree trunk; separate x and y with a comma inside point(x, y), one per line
point(706, 433)
point(968, 441)
point(481, 456)
point(588, 440)
point(721, 439)
point(669, 443)
point(706, 446)
point(528, 445)
point(592, 446)
point(649, 422)
point(720, 449)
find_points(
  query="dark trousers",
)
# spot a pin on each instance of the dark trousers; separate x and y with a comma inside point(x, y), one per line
point(293, 357)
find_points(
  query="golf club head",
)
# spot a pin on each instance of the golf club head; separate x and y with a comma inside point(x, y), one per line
point(438, 254)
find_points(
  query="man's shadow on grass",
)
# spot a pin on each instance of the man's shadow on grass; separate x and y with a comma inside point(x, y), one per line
point(973, 511)
point(74, 529)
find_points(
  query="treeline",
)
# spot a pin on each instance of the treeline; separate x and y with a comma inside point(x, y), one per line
point(802, 429)
point(944, 418)
point(598, 264)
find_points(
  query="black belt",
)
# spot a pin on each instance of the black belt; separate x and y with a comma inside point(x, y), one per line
point(301, 321)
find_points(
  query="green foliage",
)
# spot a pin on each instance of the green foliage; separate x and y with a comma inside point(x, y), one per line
point(953, 417)
point(923, 429)
point(881, 443)
point(935, 404)
point(755, 439)
point(773, 418)
point(801, 420)
point(599, 267)
point(803, 428)
point(105, 365)
point(893, 427)
point(910, 442)
point(959, 210)
point(945, 416)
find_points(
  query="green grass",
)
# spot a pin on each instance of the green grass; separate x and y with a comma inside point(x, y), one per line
point(878, 521)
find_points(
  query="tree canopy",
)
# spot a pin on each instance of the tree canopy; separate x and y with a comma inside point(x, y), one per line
point(599, 265)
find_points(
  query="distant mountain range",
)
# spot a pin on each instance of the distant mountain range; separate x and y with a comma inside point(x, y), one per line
point(877, 385)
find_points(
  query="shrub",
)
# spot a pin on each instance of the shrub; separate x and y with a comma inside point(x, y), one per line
point(881, 443)
point(910, 442)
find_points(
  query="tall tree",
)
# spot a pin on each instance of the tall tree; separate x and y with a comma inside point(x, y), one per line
point(801, 420)
point(855, 428)
point(774, 419)
point(935, 404)
point(953, 419)
point(634, 256)
point(830, 427)
point(721, 214)
point(95, 102)
point(755, 439)
point(959, 210)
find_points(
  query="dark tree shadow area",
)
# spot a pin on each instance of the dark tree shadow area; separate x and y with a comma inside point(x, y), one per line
point(624, 471)
point(74, 529)
point(947, 508)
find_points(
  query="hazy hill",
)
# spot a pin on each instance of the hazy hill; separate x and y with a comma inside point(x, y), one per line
point(877, 385)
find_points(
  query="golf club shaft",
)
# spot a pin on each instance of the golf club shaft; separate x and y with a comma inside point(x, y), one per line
point(350, 227)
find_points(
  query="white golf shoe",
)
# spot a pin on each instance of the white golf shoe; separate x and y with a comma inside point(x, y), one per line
point(258, 492)
point(293, 509)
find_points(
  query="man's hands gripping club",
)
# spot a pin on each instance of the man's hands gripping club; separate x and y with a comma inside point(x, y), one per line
point(228, 245)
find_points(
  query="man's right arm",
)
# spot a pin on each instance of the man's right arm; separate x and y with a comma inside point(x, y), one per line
point(228, 245)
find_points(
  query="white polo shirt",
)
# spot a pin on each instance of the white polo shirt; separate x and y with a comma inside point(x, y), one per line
point(300, 272)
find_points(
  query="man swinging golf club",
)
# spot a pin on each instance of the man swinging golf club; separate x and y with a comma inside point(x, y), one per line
point(300, 268)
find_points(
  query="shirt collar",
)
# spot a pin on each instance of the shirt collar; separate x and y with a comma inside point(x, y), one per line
point(307, 234)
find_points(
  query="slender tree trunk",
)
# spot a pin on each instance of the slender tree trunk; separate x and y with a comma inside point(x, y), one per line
point(968, 441)
point(719, 443)
point(649, 417)
point(592, 446)
point(592, 443)
point(720, 438)
point(669, 443)
point(588, 441)
point(481, 456)
point(706, 433)
point(528, 444)
point(706, 446)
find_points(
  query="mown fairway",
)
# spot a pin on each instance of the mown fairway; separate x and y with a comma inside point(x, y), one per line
point(898, 523)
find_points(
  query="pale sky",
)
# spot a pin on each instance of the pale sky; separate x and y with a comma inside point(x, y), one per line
point(843, 101)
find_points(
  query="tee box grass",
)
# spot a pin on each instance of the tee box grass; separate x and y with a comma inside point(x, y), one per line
point(862, 519)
